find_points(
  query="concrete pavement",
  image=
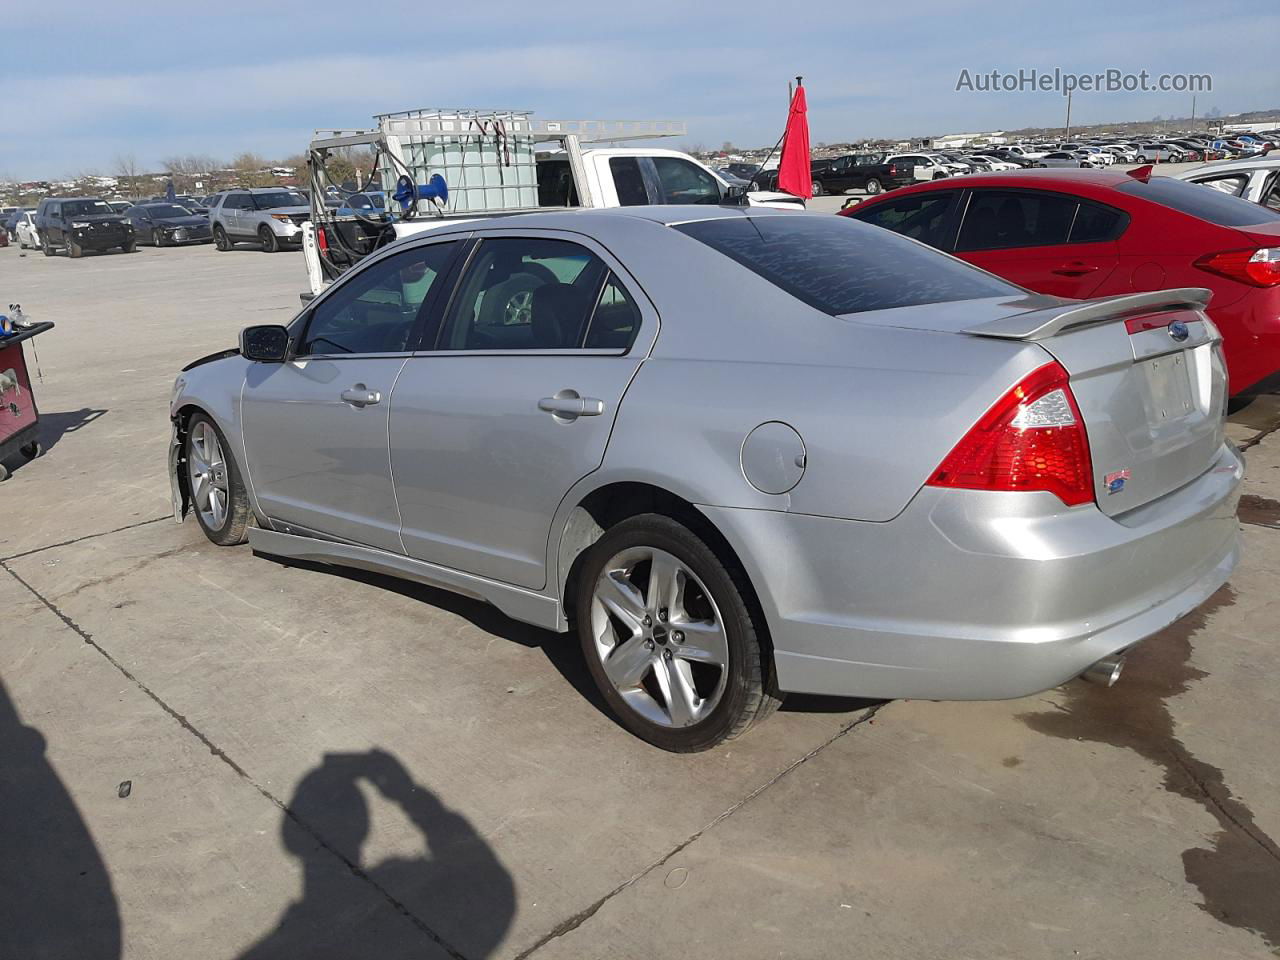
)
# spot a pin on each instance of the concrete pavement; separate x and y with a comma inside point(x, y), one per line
point(336, 764)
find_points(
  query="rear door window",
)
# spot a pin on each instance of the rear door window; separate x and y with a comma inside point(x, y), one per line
point(1002, 219)
point(628, 181)
point(1193, 199)
point(921, 217)
point(525, 293)
point(840, 266)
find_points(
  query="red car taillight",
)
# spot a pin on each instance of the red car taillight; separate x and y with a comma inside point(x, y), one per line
point(1258, 268)
point(892, 169)
point(1033, 438)
point(322, 240)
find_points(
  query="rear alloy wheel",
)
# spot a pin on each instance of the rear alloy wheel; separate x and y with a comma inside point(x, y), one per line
point(217, 492)
point(668, 636)
point(270, 244)
point(220, 239)
point(874, 186)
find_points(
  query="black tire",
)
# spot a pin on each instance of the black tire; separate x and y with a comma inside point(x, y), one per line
point(31, 450)
point(130, 247)
point(747, 696)
point(45, 247)
point(874, 186)
point(267, 236)
point(220, 239)
point(157, 239)
point(74, 250)
point(817, 189)
point(234, 528)
point(4, 473)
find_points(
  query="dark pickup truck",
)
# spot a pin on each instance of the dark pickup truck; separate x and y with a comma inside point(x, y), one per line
point(859, 171)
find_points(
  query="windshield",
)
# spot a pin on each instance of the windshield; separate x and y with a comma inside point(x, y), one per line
point(841, 266)
point(84, 208)
point(167, 211)
point(269, 201)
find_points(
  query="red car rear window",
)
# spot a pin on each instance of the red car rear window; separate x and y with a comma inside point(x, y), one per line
point(1200, 201)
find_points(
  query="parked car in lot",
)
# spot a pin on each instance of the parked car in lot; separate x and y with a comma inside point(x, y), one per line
point(1098, 233)
point(1066, 158)
point(77, 224)
point(921, 166)
point(272, 216)
point(27, 234)
point(13, 218)
point(371, 204)
point(491, 407)
point(743, 171)
point(168, 224)
point(871, 172)
point(1159, 153)
point(1255, 179)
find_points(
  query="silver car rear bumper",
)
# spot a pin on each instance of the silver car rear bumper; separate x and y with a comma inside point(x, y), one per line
point(971, 595)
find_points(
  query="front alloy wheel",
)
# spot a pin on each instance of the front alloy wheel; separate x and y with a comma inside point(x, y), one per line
point(668, 636)
point(217, 492)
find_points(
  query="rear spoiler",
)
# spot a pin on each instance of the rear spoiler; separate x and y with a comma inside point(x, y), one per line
point(1045, 323)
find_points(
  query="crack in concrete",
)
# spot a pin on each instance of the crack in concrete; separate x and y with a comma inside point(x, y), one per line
point(87, 536)
point(578, 919)
point(222, 755)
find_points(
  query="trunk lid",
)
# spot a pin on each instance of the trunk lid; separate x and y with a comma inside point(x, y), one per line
point(1148, 375)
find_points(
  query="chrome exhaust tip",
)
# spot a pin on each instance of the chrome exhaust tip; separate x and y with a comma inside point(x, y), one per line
point(1105, 672)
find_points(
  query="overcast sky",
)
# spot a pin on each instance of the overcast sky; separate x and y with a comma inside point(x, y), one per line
point(86, 81)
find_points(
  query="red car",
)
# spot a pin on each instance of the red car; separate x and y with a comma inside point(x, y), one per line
point(1085, 233)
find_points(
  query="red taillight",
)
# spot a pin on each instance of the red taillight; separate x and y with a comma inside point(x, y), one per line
point(1256, 267)
point(322, 240)
point(1032, 439)
point(892, 169)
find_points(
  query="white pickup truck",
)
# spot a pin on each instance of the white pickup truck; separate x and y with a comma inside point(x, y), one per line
point(568, 175)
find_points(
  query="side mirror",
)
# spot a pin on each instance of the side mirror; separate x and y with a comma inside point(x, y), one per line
point(734, 192)
point(266, 343)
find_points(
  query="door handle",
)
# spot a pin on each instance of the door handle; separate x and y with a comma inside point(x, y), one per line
point(570, 405)
point(360, 396)
point(1074, 269)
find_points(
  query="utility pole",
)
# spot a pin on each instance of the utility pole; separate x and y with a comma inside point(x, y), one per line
point(1193, 111)
point(1067, 135)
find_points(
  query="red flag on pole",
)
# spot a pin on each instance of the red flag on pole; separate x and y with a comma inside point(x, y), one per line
point(793, 168)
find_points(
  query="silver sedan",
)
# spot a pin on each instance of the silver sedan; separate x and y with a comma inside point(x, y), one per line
point(737, 452)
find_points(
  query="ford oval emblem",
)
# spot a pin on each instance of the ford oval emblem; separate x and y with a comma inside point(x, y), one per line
point(1179, 331)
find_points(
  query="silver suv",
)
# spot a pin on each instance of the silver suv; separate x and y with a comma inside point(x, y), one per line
point(271, 216)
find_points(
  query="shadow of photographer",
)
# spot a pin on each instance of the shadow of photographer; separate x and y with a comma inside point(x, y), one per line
point(56, 897)
point(460, 895)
